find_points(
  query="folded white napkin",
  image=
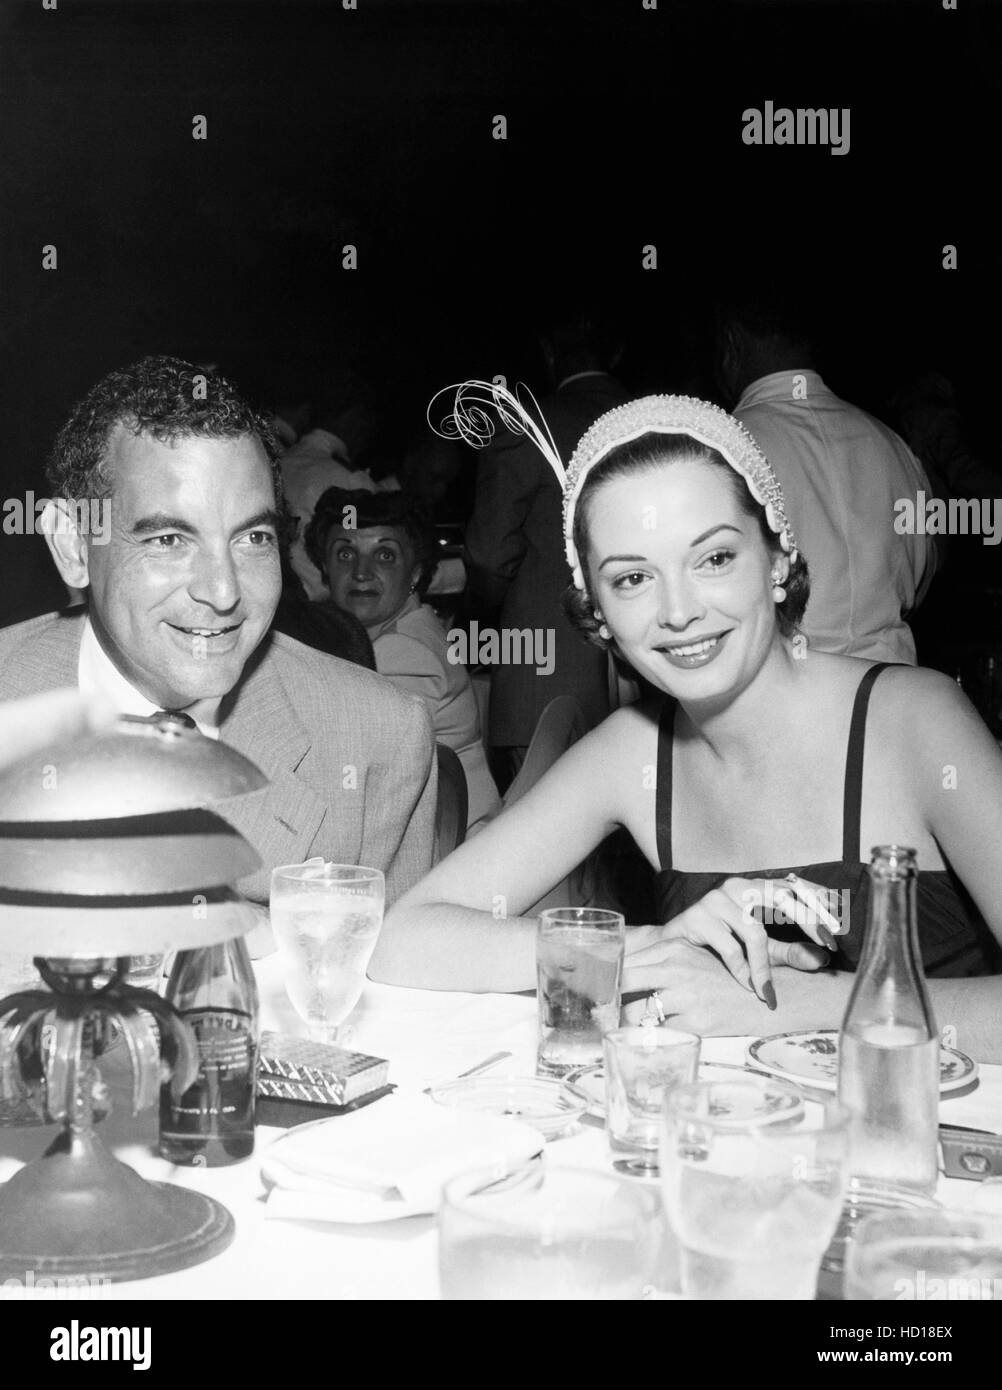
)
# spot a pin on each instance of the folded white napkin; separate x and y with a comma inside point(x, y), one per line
point(386, 1161)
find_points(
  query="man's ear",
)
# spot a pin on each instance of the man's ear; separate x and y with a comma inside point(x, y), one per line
point(67, 545)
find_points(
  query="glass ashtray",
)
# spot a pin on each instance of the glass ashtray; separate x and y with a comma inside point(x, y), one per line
point(547, 1105)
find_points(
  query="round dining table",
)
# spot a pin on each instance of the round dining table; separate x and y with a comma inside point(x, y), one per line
point(428, 1036)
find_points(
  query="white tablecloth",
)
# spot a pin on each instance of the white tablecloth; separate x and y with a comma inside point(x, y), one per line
point(427, 1036)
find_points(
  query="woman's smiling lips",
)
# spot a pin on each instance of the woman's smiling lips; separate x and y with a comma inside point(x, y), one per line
point(696, 651)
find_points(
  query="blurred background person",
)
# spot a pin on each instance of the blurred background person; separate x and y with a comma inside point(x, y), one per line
point(515, 558)
point(841, 470)
point(344, 429)
point(376, 552)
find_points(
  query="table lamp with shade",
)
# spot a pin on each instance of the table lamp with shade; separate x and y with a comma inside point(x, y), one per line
point(107, 851)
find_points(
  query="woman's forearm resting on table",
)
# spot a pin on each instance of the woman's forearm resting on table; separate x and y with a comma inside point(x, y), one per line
point(968, 1011)
point(445, 946)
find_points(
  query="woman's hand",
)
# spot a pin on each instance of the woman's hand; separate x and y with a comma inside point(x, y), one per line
point(723, 920)
point(698, 995)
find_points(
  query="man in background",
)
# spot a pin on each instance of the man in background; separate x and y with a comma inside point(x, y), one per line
point(514, 543)
point(841, 472)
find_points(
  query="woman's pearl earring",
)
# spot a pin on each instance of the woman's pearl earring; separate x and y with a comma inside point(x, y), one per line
point(603, 631)
point(778, 592)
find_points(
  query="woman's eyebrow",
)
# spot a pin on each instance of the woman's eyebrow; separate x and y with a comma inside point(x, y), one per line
point(642, 559)
point(724, 526)
point(616, 559)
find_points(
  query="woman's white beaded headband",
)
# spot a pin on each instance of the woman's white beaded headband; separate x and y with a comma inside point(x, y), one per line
point(468, 420)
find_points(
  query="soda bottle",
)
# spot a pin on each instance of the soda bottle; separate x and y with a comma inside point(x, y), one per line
point(889, 1048)
point(214, 990)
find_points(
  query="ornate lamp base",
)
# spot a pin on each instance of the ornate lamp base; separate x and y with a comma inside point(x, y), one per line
point(78, 1212)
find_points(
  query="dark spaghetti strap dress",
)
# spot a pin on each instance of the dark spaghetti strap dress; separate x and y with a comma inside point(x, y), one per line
point(953, 935)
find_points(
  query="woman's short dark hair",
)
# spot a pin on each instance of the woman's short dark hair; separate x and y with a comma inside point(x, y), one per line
point(646, 455)
point(369, 509)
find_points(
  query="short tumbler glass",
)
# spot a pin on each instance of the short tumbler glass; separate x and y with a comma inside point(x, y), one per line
point(641, 1066)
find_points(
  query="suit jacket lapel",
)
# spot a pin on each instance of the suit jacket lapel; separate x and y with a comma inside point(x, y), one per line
point(283, 819)
point(49, 662)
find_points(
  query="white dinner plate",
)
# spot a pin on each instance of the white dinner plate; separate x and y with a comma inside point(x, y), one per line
point(811, 1058)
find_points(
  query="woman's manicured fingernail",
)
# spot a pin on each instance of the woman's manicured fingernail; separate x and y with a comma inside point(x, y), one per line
point(768, 995)
point(827, 939)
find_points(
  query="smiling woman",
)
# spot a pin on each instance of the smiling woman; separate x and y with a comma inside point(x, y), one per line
point(644, 459)
point(684, 563)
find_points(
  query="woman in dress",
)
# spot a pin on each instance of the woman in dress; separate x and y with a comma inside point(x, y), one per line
point(376, 552)
point(751, 755)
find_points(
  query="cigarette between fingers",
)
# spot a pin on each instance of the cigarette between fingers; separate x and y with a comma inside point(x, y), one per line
point(800, 892)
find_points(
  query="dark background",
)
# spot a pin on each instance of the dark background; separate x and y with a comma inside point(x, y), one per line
point(373, 126)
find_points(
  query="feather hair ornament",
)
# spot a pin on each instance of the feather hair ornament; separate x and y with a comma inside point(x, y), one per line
point(469, 419)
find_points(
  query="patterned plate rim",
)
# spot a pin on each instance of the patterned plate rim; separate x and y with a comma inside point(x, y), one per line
point(824, 1083)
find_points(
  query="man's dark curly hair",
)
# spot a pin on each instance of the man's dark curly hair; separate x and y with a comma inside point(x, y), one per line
point(390, 509)
point(646, 455)
point(158, 396)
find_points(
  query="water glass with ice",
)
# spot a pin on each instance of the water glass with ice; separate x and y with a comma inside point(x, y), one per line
point(326, 918)
point(579, 968)
point(753, 1179)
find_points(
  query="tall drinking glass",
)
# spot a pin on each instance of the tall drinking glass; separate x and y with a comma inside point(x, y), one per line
point(579, 967)
point(753, 1180)
point(326, 918)
point(536, 1232)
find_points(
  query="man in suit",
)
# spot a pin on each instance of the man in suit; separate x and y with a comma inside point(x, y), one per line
point(515, 549)
point(182, 582)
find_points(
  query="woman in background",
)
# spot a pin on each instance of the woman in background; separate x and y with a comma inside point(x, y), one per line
point(376, 553)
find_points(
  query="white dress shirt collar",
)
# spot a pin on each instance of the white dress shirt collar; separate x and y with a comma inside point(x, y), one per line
point(98, 674)
point(781, 386)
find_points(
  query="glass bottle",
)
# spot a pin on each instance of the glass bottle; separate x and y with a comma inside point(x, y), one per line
point(214, 990)
point(889, 1048)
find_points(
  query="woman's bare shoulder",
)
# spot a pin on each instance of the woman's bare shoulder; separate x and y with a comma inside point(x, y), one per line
point(632, 727)
point(896, 684)
point(918, 690)
point(924, 715)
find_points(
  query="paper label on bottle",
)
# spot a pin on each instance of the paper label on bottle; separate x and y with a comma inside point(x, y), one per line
point(225, 1038)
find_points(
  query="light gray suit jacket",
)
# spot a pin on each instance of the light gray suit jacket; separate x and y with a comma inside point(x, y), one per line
point(350, 759)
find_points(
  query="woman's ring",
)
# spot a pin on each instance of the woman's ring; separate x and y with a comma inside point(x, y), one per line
point(654, 1015)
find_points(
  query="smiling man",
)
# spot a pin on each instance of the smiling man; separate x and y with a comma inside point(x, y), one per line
point(180, 598)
